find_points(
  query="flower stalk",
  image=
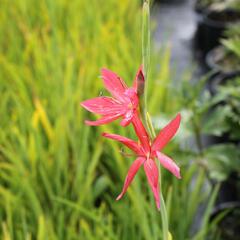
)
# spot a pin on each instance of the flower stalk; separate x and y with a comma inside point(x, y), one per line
point(163, 209)
point(145, 58)
point(146, 48)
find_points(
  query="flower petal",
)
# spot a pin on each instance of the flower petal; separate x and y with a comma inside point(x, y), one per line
point(151, 171)
point(113, 83)
point(105, 119)
point(102, 105)
point(141, 132)
point(169, 164)
point(166, 134)
point(126, 141)
point(131, 173)
point(127, 118)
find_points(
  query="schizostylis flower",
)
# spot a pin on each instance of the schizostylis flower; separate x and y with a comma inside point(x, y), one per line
point(123, 103)
point(147, 151)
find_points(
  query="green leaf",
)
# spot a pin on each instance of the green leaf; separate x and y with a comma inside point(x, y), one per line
point(221, 160)
point(216, 121)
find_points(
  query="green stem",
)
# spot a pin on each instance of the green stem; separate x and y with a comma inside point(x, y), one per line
point(146, 40)
point(163, 209)
point(198, 137)
point(164, 217)
point(143, 101)
point(145, 58)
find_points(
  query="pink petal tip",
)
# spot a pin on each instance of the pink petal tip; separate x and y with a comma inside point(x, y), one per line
point(119, 197)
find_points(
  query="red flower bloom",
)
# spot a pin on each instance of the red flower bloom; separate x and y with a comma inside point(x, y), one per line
point(147, 151)
point(123, 104)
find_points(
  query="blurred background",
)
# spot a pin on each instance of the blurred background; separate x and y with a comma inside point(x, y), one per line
point(58, 177)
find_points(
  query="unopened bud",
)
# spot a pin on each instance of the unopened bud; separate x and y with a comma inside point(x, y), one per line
point(140, 82)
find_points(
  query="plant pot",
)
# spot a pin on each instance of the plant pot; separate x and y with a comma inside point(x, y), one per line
point(229, 190)
point(228, 227)
point(228, 202)
point(210, 28)
point(210, 140)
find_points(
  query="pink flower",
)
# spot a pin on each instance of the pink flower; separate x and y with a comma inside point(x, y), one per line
point(147, 151)
point(124, 102)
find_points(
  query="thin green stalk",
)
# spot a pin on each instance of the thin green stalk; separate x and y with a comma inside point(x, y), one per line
point(146, 40)
point(143, 101)
point(145, 57)
point(163, 209)
point(198, 137)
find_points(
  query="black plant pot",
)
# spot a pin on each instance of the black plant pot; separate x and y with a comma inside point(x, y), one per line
point(228, 201)
point(210, 140)
point(229, 225)
point(210, 28)
point(229, 190)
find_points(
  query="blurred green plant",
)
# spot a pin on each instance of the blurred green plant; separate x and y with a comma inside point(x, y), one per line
point(216, 117)
point(218, 5)
point(226, 57)
point(226, 110)
point(55, 181)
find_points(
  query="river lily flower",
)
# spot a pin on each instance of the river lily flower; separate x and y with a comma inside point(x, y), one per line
point(146, 152)
point(123, 103)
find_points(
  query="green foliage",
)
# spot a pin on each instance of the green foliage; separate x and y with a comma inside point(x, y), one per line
point(219, 5)
point(225, 116)
point(230, 49)
point(222, 160)
point(216, 116)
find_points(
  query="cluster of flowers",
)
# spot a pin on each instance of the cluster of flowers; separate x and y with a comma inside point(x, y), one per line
point(124, 104)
